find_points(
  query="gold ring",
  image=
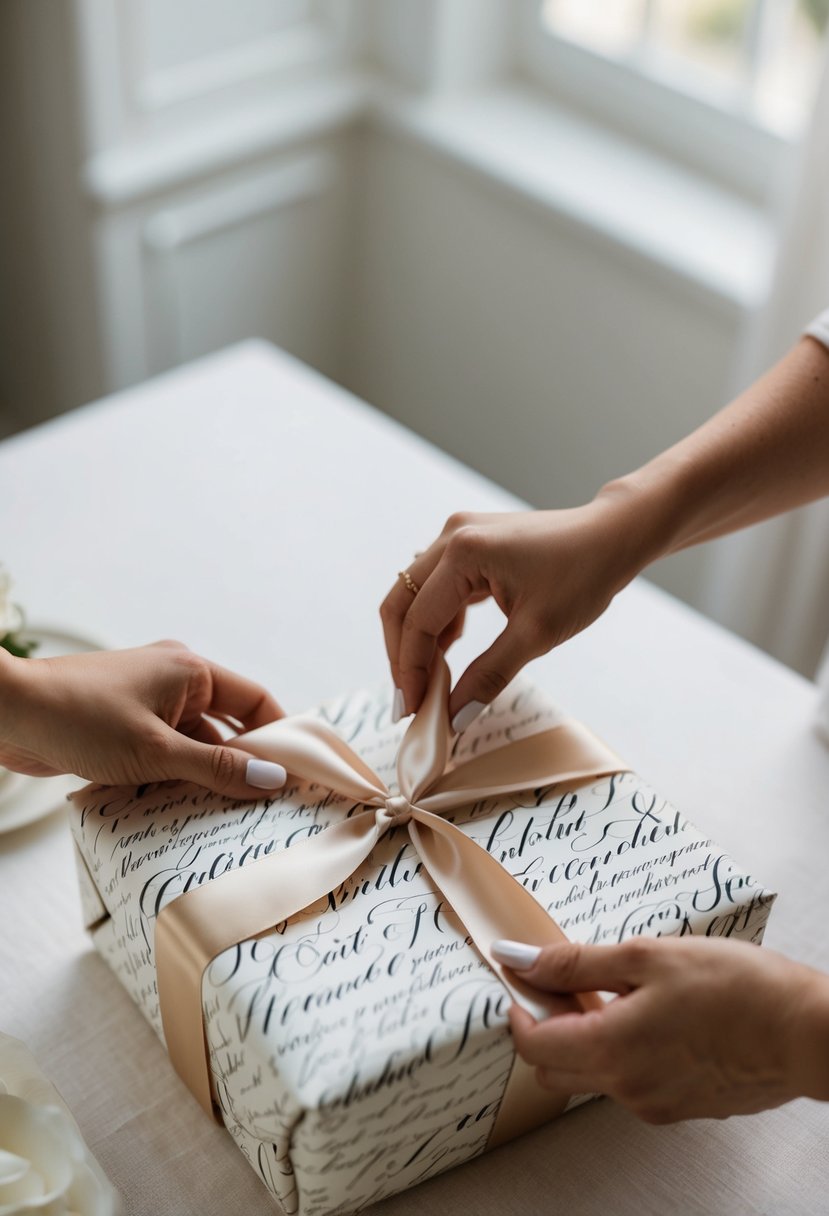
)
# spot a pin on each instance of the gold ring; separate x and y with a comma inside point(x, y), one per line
point(411, 585)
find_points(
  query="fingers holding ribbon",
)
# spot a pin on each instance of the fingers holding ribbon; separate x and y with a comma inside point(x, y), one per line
point(393, 611)
point(422, 613)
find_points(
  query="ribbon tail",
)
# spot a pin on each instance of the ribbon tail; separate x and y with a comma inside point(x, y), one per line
point(196, 927)
point(492, 905)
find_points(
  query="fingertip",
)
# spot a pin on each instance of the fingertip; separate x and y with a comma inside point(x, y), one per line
point(459, 698)
point(413, 689)
point(238, 697)
point(267, 711)
point(398, 705)
point(466, 715)
point(518, 956)
point(521, 1022)
point(265, 774)
point(470, 697)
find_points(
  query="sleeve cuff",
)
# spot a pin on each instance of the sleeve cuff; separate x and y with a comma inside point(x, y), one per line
point(820, 328)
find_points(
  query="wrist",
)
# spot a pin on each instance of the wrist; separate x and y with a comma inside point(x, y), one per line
point(810, 1037)
point(14, 694)
point(646, 513)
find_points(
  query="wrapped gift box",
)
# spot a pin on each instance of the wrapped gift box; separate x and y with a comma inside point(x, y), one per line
point(361, 1045)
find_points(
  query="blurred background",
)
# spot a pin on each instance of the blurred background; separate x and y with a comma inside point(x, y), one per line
point(550, 235)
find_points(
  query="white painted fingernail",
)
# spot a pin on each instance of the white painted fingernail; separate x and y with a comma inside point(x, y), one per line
point(398, 705)
point(517, 955)
point(263, 775)
point(464, 717)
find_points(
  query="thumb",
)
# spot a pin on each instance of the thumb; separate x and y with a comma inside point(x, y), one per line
point(489, 675)
point(224, 770)
point(572, 967)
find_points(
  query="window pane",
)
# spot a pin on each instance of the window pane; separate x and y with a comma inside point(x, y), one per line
point(189, 30)
point(758, 57)
point(611, 26)
point(789, 71)
point(709, 37)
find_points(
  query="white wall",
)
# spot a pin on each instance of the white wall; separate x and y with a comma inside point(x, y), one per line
point(168, 190)
point(255, 250)
point(49, 352)
point(151, 225)
point(548, 359)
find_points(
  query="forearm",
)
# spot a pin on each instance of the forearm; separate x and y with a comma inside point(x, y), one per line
point(765, 453)
point(810, 1057)
point(12, 694)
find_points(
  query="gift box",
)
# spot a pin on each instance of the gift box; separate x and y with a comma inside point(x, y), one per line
point(317, 962)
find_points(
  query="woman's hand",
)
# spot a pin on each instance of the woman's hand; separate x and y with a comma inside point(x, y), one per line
point(701, 1028)
point(550, 572)
point(126, 717)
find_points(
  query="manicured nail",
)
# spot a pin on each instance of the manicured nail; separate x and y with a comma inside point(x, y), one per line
point(464, 717)
point(517, 955)
point(398, 705)
point(263, 775)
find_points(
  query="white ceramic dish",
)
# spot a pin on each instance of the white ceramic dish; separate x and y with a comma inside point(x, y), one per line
point(24, 800)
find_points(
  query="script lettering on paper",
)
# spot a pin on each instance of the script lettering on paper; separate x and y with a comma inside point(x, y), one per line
point(363, 1045)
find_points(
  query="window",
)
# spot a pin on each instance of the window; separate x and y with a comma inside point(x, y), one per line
point(723, 85)
point(756, 57)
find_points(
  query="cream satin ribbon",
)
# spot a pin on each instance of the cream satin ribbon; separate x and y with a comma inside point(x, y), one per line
point(197, 926)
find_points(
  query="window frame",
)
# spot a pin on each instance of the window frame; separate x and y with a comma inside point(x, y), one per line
point(731, 147)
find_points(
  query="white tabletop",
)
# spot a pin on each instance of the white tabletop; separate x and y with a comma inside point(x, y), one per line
point(259, 513)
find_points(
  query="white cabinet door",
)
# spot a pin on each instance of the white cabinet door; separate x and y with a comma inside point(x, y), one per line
point(261, 252)
point(148, 65)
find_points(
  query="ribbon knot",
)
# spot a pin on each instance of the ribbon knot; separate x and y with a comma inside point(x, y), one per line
point(398, 809)
point(243, 903)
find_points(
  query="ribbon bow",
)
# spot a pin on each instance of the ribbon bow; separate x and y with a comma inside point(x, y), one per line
point(198, 925)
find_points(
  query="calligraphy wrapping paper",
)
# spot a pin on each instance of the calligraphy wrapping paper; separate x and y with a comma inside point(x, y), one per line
point(362, 1046)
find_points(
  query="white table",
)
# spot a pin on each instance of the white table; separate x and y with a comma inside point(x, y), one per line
point(258, 512)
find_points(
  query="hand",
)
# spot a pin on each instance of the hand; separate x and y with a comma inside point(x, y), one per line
point(550, 572)
point(701, 1028)
point(126, 717)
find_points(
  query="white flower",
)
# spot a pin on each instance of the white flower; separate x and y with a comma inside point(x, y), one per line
point(11, 618)
point(44, 1164)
